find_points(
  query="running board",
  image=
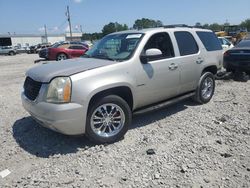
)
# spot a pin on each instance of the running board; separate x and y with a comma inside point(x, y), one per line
point(163, 104)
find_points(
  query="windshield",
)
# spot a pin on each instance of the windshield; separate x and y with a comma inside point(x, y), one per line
point(55, 45)
point(116, 47)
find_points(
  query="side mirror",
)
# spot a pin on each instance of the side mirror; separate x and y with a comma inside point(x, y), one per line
point(150, 53)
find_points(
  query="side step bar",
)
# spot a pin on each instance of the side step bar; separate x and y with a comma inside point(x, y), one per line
point(163, 104)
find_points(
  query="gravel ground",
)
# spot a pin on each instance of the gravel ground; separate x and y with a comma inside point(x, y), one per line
point(192, 145)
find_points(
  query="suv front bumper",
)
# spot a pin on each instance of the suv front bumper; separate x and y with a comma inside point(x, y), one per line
point(66, 118)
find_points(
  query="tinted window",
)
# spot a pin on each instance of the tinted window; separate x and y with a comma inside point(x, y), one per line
point(186, 43)
point(209, 40)
point(243, 43)
point(162, 42)
point(76, 47)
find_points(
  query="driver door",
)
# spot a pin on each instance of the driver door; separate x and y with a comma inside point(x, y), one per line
point(159, 78)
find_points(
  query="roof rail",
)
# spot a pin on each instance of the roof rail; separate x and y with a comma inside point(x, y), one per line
point(177, 25)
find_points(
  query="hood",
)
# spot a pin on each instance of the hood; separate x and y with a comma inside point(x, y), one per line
point(48, 70)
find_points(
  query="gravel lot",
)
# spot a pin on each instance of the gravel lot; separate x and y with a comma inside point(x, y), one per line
point(195, 145)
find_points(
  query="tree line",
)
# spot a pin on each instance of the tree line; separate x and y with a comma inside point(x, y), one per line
point(150, 23)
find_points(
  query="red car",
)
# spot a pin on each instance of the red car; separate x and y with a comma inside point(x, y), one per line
point(62, 51)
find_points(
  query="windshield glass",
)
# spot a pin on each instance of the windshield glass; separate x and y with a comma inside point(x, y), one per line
point(116, 47)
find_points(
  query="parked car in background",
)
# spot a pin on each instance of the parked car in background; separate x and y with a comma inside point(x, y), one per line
point(7, 50)
point(225, 43)
point(42, 46)
point(88, 43)
point(32, 49)
point(20, 49)
point(124, 73)
point(62, 51)
point(238, 58)
point(36, 48)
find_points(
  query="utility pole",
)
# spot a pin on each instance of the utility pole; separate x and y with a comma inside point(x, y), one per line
point(45, 32)
point(81, 28)
point(68, 15)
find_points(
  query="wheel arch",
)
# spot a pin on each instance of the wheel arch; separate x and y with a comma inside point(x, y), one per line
point(58, 53)
point(124, 92)
point(213, 69)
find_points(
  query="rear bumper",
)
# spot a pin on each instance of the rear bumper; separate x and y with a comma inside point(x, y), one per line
point(67, 118)
point(240, 66)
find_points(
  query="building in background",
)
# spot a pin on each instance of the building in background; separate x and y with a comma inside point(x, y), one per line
point(25, 40)
point(75, 36)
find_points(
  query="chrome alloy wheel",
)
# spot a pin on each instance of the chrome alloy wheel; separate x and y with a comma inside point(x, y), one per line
point(61, 57)
point(107, 120)
point(207, 88)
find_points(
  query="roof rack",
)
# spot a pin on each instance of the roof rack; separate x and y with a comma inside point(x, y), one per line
point(177, 25)
point(181, 25)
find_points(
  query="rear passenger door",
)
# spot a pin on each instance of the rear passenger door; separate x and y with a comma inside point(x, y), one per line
point(190, 61)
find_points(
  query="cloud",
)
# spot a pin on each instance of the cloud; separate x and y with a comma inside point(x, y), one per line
point(77, 1)
point(67, 29)
point(54, 29)
point(41, 29)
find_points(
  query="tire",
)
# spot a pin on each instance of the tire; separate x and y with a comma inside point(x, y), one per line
point(61, 56)
point(11, 53)
point(205, 90)
point(100, 129)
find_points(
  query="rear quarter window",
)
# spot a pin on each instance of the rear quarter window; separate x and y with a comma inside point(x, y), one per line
point(186, 43)
point(209, 40)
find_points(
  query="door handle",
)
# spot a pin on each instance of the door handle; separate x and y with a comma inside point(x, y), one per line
point(173, 66)
point(199, 60)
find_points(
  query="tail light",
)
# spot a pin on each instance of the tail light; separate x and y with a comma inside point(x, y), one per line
point(226, 54)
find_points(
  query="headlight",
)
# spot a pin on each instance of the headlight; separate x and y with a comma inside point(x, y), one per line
point(59, 90)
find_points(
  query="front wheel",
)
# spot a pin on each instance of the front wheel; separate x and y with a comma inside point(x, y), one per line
point(108, 119)
point(205, 90)
point(11, 53)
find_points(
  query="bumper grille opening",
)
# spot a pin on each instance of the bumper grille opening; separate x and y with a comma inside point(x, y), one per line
point(31, 88)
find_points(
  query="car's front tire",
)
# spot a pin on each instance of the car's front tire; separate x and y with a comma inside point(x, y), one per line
point(11, 53)
point(205, 90)
point(108, 119)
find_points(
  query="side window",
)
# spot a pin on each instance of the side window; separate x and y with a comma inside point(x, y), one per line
point(209, 40)
point(186, 43)
point(162, 42)
point(76, 47)
point(63, 46)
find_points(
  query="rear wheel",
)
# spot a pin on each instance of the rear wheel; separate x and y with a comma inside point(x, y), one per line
point(61, 56)
point(205, 89)
point(108, 119)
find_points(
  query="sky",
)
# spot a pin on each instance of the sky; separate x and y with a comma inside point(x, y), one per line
point(29, 16)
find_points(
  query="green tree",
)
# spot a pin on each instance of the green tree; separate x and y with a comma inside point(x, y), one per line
point(246, 24)
point(146, 23)
point(206, 26)
point(91, 36)
point(113, 27)
point(198, 25)
point(215, 27)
